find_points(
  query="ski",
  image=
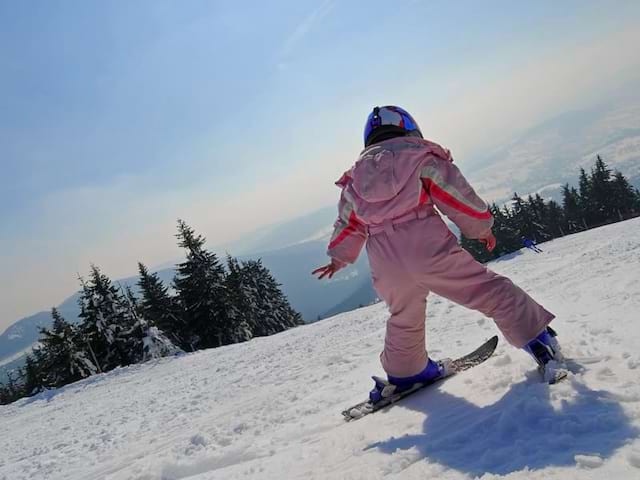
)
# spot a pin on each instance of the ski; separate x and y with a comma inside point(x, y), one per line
point(458, 365)
point(556, 377)
point(558, 372)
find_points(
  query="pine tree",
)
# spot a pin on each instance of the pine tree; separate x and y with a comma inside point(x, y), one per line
point(573, 219)
point(601, 192)
point(148, 340)
point(242, 312)
point(65, 358)
point(475, 248)
point(523, 219)
point(159, 308)
point(506, 238)
point(623, 196)
point(554, 219)
point(538, 213)
point(138, 326)
point(201, 293)
point(271, 311)
point(32, 377)
point(585, 201)
point(513, 239)
point(5, 397)
point(108, 324)
point(11, 391)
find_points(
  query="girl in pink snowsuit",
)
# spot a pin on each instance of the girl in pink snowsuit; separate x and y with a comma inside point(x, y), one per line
point(387, 203)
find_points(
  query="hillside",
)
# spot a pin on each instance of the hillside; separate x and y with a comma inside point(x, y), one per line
point(270, 408)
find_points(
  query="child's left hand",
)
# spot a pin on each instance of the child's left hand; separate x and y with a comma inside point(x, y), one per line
point(329, 269)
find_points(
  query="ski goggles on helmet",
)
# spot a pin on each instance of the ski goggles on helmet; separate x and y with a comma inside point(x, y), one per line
point(389, 116)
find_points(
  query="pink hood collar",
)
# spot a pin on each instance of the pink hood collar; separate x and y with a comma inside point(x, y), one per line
point(380, 172)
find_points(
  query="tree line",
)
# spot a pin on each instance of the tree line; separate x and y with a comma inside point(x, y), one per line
point(602, 197)
point(208, 305)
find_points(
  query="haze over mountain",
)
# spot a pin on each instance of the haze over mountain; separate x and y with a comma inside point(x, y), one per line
point(551, 154)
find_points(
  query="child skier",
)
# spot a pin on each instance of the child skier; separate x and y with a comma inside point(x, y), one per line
point(387, 203)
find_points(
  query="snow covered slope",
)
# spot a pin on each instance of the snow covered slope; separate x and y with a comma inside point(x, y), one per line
point(270, 408)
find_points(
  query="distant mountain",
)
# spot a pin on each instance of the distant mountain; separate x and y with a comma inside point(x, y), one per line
point(291, 266)
point(551, 154)
point(363, 296)
point(313, 226)
point(316, 225)
point(19, 335)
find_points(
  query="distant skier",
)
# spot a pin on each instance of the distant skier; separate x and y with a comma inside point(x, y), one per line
point(387, 202)
point(531, 245)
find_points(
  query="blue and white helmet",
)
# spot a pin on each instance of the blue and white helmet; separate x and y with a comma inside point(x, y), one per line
point(387, 122)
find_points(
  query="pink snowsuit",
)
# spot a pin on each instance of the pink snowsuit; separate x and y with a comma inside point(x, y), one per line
point(387, 202)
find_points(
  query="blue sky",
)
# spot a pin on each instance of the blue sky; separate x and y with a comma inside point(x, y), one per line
point(118, 117)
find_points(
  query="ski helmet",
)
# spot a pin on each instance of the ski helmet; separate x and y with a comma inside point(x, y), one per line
point(388, 122)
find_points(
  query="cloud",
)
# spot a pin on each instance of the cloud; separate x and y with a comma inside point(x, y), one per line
point(306, 26)
point(513, 96)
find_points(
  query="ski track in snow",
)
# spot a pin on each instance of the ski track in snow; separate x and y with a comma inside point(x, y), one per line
point(270, 408)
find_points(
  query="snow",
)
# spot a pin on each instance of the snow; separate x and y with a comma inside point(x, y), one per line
point(270, 408)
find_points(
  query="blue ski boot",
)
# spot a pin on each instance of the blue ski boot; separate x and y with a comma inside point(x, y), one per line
point(386, 388)
point(544, 347)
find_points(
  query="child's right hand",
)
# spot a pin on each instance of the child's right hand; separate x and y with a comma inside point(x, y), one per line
point(489, 242)
point(329, 269)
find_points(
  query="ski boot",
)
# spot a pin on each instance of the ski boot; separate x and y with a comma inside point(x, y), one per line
point(386, 388)
point(545, 350)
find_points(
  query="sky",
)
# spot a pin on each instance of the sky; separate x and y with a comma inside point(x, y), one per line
point(117, 118)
